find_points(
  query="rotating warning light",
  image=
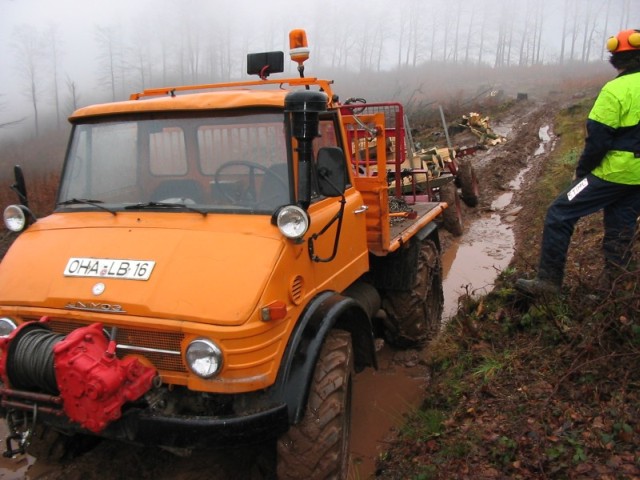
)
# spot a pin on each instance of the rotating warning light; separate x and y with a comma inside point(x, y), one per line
point(299, 49)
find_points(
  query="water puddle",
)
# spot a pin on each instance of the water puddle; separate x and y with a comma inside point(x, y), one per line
point(545, 138)
point(472, 264)
point(474, 261)
point(381, 398)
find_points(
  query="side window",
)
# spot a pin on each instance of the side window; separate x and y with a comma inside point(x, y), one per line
point(167, 152)
point(102, 160)
point(328, 138)
point(78, 182)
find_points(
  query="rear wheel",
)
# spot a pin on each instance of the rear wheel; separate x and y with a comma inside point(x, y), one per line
point(452, 215)
point(414, 314)
point(468, 182)
point(318, 446)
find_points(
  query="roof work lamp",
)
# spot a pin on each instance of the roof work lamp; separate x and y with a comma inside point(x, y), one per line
point(298, 48)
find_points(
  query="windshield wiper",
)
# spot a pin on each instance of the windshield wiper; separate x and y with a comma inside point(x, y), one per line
point(152, 205)
point(85, 201)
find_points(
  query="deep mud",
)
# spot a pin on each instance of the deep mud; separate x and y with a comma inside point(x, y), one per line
point(381, 397)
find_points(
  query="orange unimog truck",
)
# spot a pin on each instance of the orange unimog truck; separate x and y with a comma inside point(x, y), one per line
point(218, 263)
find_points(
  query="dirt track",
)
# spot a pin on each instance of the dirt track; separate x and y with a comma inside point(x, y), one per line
point(109, 460)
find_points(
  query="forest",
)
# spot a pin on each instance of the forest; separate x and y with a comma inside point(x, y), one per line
point(418, 51)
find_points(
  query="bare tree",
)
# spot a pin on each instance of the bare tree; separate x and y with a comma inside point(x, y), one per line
point(625, 13)
point(539, 29)
point(10, 123)
point(470, 34)
point(73, 100)
point(456, 34)
point(140, 57)
point(109, 57)
point(503, 33)
point(565, 20)
point(605, 28)
point(53, 44)
point(590, 24)
point(575, 31)
point(415, 24)
point(27, 45)
point(483, 33)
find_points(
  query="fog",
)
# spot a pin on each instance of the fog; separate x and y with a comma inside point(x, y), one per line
point(58, 55)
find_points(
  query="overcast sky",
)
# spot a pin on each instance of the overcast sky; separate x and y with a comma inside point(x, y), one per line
point(263, 25)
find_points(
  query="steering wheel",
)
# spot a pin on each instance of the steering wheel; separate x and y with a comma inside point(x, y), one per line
point(248, 195)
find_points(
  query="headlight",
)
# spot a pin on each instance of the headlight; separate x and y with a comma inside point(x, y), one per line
point(6, 327)
point(204, 358)
point(292, 221)
point(14, 218)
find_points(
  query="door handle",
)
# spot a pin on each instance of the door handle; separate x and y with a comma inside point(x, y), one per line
point(362, 209)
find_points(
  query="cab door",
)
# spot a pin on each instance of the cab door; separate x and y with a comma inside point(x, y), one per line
point(351, 258)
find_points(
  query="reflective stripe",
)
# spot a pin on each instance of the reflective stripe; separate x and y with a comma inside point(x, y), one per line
point(577, 189)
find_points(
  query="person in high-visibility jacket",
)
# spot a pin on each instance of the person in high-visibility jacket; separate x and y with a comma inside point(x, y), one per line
point(607, 175)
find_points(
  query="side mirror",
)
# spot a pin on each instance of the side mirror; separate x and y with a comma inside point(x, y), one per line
point(20, 186)
point(332, 174)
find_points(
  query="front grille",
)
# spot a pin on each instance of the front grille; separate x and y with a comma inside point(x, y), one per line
point(135, 341)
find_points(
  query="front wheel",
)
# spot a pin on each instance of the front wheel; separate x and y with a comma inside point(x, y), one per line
point(318, 446)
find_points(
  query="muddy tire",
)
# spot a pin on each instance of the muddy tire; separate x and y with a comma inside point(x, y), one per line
point(452, 216)
point(318, 446)
point(468, 182)
point(414, 315)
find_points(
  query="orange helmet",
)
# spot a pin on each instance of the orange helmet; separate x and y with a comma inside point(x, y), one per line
point(624, 41)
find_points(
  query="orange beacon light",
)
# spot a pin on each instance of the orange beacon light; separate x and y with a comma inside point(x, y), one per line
point(299, 49)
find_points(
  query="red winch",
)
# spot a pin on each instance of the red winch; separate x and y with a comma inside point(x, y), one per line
point(91, 380)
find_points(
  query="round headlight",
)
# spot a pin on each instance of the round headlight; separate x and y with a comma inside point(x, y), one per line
point(6, 327)
point(204, 358)
point(292, 221)
point(14, 218)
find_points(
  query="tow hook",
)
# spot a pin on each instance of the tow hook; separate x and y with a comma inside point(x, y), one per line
point(21, 428)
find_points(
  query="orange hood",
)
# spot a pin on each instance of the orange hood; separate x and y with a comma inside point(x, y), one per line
point(206, 269)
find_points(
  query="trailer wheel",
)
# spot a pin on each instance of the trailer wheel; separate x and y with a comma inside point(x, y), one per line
point(318, 446)
point(468, 183)
point(452, 216)
point(414, 315)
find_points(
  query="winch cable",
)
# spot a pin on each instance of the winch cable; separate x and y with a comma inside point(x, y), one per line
point(31, 364)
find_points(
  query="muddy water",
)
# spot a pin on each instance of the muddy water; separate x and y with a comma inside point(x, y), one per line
point(472, 263)
point(381, 398)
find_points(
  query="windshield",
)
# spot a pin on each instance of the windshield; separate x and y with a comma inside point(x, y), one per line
point(208, 164)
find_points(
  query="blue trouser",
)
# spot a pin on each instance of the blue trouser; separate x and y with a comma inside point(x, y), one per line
point(621, 205)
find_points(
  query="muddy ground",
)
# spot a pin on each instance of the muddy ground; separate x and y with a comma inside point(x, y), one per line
point(497, 166)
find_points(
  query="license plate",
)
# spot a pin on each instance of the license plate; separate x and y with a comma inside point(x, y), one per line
point(109, 268)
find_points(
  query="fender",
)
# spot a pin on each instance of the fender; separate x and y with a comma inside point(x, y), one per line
point(324, 312)
point(429, 230)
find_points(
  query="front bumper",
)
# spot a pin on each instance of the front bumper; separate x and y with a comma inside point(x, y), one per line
point(149, 428)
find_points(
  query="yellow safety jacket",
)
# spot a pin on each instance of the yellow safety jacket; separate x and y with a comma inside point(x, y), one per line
point(612, 146)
